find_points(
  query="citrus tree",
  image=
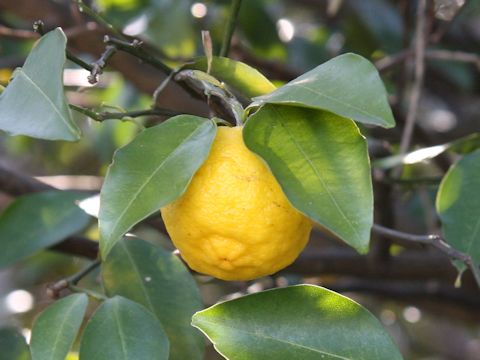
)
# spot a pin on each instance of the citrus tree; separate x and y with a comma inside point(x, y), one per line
point(239, 188)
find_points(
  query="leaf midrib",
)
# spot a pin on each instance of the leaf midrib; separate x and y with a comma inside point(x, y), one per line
point(264, 336)
point(315, 170)
point(119, 329)
point(353, 107)
point(149, 178)
point(137, 272)
point(36, 87)
point(62, 324)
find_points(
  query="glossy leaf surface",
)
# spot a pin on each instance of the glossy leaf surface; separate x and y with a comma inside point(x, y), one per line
point(151, 171)
point(236, 74)
point(348, 85)
point(322, 164)
point(55, 329)
point(295, 323)
point(121, 329)
point(158, 280)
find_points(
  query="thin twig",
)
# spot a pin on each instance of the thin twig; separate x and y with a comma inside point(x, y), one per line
point(105, 115)
point(19, 34)
point(232, 21)
point(387, 62)
point(420, 43)
point(99, 65)
point(54, 290)
point(459, 56)
point(434, 240)
point(135, 48)
point(38, 27)
point(98, 18)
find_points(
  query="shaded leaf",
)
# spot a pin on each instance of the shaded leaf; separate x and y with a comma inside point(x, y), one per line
point(36, 221)
point(34, 103)
point(245, 79)
point(56, 328)
point(13, 345)
point(159, 281)
point(458, 204)
point(121, 329)
point(348, 85)
point(296, 323)
point(322, 164)
point(151, 171)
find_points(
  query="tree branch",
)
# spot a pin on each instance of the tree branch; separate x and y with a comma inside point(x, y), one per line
point(99, 65)
point(434, 240)
point(105, 115)
point(420, 44)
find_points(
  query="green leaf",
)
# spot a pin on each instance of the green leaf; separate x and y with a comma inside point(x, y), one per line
point(13, 345)
point(151, 171)
point(56, 328)
point(242, 77)
point(321, 162)
point(458, 204)
point(348, 85)
point(296, 323)
point(34, 103)
point(158, 280)
point(36, 221)
point(121, 329)
point(463, 145)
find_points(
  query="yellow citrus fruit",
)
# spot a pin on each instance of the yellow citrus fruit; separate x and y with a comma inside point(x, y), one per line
point(234, 222)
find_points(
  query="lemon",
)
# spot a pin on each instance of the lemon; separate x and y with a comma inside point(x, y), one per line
point(234, 222)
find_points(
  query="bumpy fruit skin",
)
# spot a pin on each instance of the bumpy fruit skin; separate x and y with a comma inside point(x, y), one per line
point(234, 221)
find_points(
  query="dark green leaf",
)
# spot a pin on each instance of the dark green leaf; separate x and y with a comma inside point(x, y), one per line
point(151, 171)
point(463, 145)
point(458, 204)
point(348, 85)
point(295, 323)
point(158, 280)
point(13, 345)
point(36, 221)
point(34, 103)
point(56, 327)
point(236, 74)
point(321, 162)
point(121, 329)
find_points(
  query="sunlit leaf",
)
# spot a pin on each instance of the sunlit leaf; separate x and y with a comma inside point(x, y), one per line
point(151, 171)
point(321, 162)
point(245, 79)
point(348, 85)
point(296, 323)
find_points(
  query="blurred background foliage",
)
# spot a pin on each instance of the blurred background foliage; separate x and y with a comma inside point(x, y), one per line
point(282, 39)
